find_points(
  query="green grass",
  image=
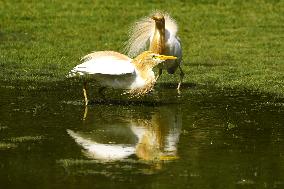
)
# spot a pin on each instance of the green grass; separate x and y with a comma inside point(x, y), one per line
point(227, 44)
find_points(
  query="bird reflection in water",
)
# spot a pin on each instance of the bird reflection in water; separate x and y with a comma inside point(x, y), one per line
point(152, 137)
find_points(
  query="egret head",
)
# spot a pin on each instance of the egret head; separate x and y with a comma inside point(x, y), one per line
point(148, 59)
point(144, 64)
point(159, 20)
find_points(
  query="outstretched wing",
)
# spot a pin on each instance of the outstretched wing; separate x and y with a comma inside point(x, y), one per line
point(104, 62)
point(139, 36)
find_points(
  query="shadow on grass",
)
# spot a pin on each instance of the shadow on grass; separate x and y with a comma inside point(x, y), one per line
point(163, 94)
point(174, 85)
point(130, 102)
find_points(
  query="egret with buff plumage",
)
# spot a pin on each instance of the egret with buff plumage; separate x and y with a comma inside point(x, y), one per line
point(115, 70)
point(157, 33)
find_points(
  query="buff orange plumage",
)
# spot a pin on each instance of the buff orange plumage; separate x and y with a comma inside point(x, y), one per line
point(157, 33)
point(115, 70)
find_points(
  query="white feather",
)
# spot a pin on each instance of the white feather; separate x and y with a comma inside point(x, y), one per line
point(110, 64)
point(141, 33)
point(100, 151)
point(105, 65)
point(112, 69)
point(173, 47)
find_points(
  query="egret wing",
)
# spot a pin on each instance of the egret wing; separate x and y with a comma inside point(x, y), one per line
point(104, 62)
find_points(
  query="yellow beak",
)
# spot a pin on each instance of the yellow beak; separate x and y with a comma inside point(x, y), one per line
point(153, 17)
point(164, 57)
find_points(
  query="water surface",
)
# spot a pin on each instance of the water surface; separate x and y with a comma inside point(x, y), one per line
point(204, 138)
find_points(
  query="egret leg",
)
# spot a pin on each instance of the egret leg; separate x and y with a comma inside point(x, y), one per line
point(85, 93)
point(159, 74)
point(85, 113)
point(181, 76)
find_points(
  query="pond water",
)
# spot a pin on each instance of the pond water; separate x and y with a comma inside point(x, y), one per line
point(204, 138)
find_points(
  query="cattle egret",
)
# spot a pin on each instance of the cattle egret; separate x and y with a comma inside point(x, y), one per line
point(158, 33)
point(115, 70)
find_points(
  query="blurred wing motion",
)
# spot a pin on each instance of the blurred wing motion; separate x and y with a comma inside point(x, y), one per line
point(108, 152)
point(158, 33)
point(104, 62)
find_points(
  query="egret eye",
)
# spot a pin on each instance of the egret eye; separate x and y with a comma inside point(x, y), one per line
point(153, 56)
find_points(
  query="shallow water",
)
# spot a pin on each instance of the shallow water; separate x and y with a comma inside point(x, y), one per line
point(204, 138)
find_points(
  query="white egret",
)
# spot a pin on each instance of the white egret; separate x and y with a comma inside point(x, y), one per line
point(158, 33)
point(112, 69)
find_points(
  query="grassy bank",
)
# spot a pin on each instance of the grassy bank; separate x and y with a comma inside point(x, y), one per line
point(235, 44)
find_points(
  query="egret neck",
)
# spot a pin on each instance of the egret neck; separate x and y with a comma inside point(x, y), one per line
point(145, 75)
point(144, 65)
point(157, 44)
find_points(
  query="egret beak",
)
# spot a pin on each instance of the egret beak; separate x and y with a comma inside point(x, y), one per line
point(164, 57)
point(158, 17)
point(154, 18)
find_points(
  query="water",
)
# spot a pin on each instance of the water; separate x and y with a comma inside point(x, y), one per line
point(205, 138)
